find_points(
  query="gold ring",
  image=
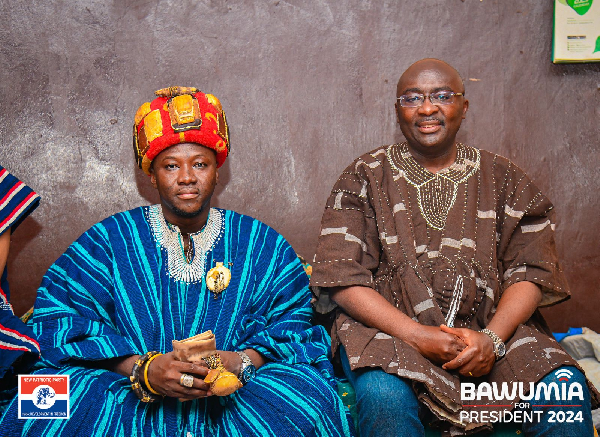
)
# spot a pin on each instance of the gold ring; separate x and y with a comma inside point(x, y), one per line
point(470, 374)
point(186, 380)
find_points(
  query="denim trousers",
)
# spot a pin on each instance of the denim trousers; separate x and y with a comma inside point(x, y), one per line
point(387, 406)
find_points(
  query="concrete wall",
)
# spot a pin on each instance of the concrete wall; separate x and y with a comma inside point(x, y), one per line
point(307, 86)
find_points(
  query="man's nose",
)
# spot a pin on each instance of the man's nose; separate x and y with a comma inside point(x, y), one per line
point(428, 108)
point(187, 175)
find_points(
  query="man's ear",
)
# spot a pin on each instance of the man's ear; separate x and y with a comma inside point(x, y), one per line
point(397, 115)
point(217, 178)
point(465, 109)
point(153, 178)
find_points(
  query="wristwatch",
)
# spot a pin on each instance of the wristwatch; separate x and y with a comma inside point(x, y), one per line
point(499, 347)
point(248, 370)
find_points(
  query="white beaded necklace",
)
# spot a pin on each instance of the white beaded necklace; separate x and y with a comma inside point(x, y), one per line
point(190, 268)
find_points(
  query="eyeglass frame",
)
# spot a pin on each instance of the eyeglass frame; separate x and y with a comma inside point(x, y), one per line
point(428, 96)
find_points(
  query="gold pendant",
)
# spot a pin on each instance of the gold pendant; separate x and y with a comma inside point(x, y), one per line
point(217, 279)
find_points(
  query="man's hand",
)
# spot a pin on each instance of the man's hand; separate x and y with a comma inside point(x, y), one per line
point(367, 306)
point(435, 344)
point(478, 358)
point(164, 375)
point(517, 304)
point(231, 361)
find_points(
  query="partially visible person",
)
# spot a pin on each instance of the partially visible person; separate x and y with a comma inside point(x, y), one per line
point(18, 344)
point(438, 255)
point(109, 309)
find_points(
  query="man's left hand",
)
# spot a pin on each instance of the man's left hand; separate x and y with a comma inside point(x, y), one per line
point(478, 358)
point(231, 361)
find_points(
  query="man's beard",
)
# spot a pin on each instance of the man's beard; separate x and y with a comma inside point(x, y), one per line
point(186, 214)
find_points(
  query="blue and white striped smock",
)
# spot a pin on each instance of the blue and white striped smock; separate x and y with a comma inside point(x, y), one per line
point(17, 201)
point(112, 294)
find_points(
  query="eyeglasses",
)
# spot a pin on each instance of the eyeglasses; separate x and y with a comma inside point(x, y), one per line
point(414, 100)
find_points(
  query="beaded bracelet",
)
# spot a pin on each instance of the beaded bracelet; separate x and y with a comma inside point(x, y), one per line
point(137, 388)
point(146, 380)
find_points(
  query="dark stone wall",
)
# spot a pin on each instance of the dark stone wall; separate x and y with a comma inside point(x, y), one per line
point(307, 86)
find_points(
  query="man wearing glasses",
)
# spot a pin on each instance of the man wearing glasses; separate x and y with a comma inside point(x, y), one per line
point(437, 255)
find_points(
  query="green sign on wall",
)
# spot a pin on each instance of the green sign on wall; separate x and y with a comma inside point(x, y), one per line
point(576, 31)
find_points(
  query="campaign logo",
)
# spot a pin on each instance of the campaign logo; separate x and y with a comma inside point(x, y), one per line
point(43, 396)
point(562, 395)
point(563, 375)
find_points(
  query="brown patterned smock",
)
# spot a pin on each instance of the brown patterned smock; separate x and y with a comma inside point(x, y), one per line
point(442, 248)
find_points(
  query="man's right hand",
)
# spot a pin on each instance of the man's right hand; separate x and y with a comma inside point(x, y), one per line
point(164, 375)
point(435, 344)
point(367, 306)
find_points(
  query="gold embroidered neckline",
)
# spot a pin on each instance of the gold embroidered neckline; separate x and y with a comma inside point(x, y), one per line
point(436, 192)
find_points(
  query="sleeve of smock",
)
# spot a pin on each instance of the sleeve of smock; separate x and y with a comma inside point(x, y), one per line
point(74, 316)
point(527, 248)
point(280, 327)
point(17, 201)
point(348, 247)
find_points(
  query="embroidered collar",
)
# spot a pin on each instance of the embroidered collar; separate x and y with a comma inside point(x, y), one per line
point(436, 192)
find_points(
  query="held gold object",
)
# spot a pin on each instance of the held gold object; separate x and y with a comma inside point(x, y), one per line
point(201, 349)
point(222, 382)
point(217, 278)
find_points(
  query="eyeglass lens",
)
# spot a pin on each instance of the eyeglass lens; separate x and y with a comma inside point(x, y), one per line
point(437, 98)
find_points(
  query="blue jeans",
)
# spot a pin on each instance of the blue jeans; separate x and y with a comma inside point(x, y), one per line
point(387, 406)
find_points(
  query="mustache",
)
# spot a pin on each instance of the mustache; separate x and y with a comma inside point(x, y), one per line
point(439, 120)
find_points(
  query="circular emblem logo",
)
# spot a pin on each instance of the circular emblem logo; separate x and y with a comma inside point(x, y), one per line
point(43, 397)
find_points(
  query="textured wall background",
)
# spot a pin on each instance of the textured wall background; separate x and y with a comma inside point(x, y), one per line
point(307, 86)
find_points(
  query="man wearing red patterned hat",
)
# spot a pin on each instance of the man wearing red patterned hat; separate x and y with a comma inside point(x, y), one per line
point(113, 310)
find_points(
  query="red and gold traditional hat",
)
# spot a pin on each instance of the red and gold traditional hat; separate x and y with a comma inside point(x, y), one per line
point(179, 115)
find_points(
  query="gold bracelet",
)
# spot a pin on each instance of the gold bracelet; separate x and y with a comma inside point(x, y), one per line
point(146, 380)
point(214, 361)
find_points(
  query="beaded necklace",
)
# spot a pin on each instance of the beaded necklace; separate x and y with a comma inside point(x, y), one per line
point(190, 249)
point(185, 266)
point(436, 192)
